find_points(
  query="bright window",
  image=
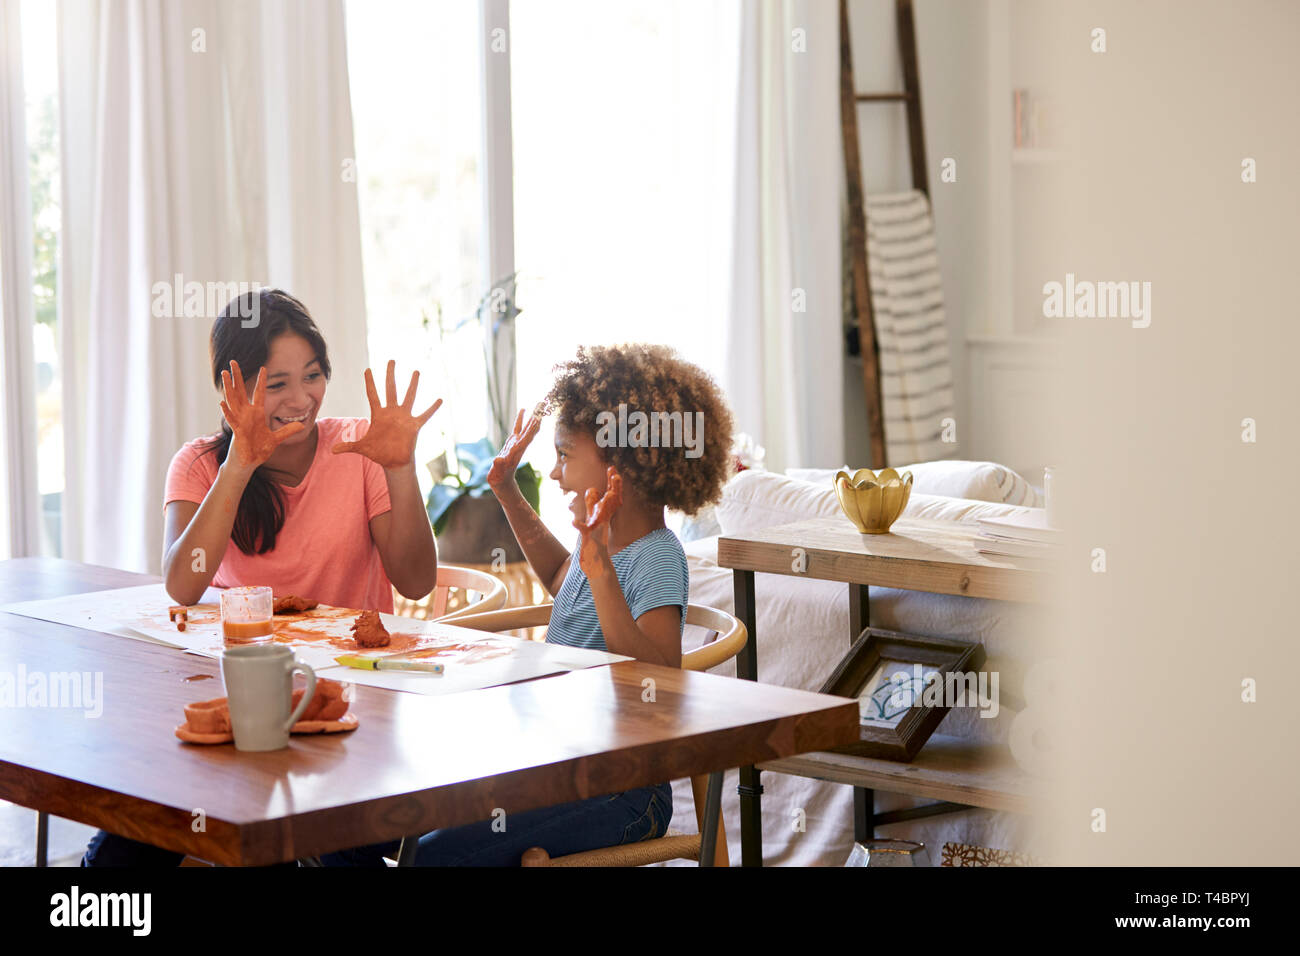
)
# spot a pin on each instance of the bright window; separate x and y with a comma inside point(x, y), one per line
point(417, 118)
point(40, 85)
point(622, 124)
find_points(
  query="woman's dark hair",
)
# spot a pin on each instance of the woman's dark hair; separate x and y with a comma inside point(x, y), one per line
point(243, 332)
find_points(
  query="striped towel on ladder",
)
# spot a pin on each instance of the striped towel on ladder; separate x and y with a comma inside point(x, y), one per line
point(911, 331)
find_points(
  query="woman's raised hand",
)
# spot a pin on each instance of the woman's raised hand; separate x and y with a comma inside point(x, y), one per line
point(254, 440)
point(390, 441)
point(501, 475)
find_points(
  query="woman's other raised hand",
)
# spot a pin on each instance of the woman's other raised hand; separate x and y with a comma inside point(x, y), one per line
point(254, 441)
point(390, 440)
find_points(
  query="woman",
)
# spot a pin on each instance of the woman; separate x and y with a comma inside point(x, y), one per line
point(305, 516)
point(324, 508)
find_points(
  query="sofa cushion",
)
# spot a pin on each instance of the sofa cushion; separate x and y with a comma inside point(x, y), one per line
point(754, 500)
point(980, 480)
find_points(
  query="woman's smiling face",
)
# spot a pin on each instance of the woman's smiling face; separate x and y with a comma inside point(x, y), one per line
point(295, 385)
point(578, 466)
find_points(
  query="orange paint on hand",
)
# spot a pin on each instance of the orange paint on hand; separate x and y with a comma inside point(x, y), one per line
point(247, 419)
point(593, 555)
point(390, 440)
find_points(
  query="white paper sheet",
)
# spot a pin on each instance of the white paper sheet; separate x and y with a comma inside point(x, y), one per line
point(472, 659)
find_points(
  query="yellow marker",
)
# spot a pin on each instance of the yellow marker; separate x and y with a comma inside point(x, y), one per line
point(388, 664)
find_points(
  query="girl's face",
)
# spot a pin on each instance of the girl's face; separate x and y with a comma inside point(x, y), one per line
point(295, 385)
point(578, 466)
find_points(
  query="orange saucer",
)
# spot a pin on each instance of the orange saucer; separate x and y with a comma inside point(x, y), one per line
point(190, 737)
point(345, 723)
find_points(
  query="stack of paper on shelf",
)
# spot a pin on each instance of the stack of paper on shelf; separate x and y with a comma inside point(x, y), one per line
point(1019, 537)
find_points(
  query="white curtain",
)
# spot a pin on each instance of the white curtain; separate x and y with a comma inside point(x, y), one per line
point(19, 503)
point(784, 339)
point(210, 140)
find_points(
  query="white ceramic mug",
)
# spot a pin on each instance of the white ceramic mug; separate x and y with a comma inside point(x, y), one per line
point(259, 686)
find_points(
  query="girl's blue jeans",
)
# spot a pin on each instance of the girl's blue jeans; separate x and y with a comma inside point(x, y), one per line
point(598, 822)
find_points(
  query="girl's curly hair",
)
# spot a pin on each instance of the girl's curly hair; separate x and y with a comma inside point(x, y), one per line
point(652, 380)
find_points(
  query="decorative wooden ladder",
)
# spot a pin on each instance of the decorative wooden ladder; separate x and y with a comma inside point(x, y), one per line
point(861, 288)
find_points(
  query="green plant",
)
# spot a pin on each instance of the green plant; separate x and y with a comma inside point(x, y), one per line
point(474, 460)
point(494, 316)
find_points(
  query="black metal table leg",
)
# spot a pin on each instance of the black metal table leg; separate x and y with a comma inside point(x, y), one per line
point(712, 810)
point(406, 855)
point(750, 789)
point(864, 814)
point(42, 838)
point(864, 799)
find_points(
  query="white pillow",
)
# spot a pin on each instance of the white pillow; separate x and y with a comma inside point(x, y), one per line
point(754, 500)
point(980, 480)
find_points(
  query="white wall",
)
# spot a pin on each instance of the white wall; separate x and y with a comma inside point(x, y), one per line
point(952, 48)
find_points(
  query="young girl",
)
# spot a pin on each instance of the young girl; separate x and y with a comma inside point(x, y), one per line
point(623, 588)
point(323, 508)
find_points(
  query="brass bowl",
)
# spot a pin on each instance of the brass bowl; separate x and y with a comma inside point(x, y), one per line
point(873, 501)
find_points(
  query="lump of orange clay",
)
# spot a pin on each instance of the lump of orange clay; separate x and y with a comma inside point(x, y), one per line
point(209, 716)
point(369, 630)
point(178, 614)
point(326, 704)
point(292, 604)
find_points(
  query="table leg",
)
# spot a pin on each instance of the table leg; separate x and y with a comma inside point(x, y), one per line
point(406, 855)
point(712, 810)
point(750, 789)
point(42, 838)
point(864, 813)
point(859, 611)
point(864, 799)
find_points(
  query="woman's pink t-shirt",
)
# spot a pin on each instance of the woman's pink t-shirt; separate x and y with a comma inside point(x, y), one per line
point(324, 551)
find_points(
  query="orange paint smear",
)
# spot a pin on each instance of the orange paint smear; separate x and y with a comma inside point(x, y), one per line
point(396, 642)
point(468, 653)
point(194, 677)
point(288, 633)
point(317, 614)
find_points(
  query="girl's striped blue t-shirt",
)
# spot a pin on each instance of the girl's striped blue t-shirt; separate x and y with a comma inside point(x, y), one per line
point(651, 571)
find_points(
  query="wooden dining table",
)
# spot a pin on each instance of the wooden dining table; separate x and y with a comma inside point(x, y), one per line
point(415, 763)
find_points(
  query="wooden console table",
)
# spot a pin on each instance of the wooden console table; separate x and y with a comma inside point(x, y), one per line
point(918, 554)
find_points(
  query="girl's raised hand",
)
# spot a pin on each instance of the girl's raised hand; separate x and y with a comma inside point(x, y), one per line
point(502, 473)
point(254, 441)
point(593, 556)
point(390, 441)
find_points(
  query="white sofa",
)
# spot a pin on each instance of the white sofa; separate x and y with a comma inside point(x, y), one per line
point(803, 631)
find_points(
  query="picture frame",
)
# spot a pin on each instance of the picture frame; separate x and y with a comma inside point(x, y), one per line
point(888, 673)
